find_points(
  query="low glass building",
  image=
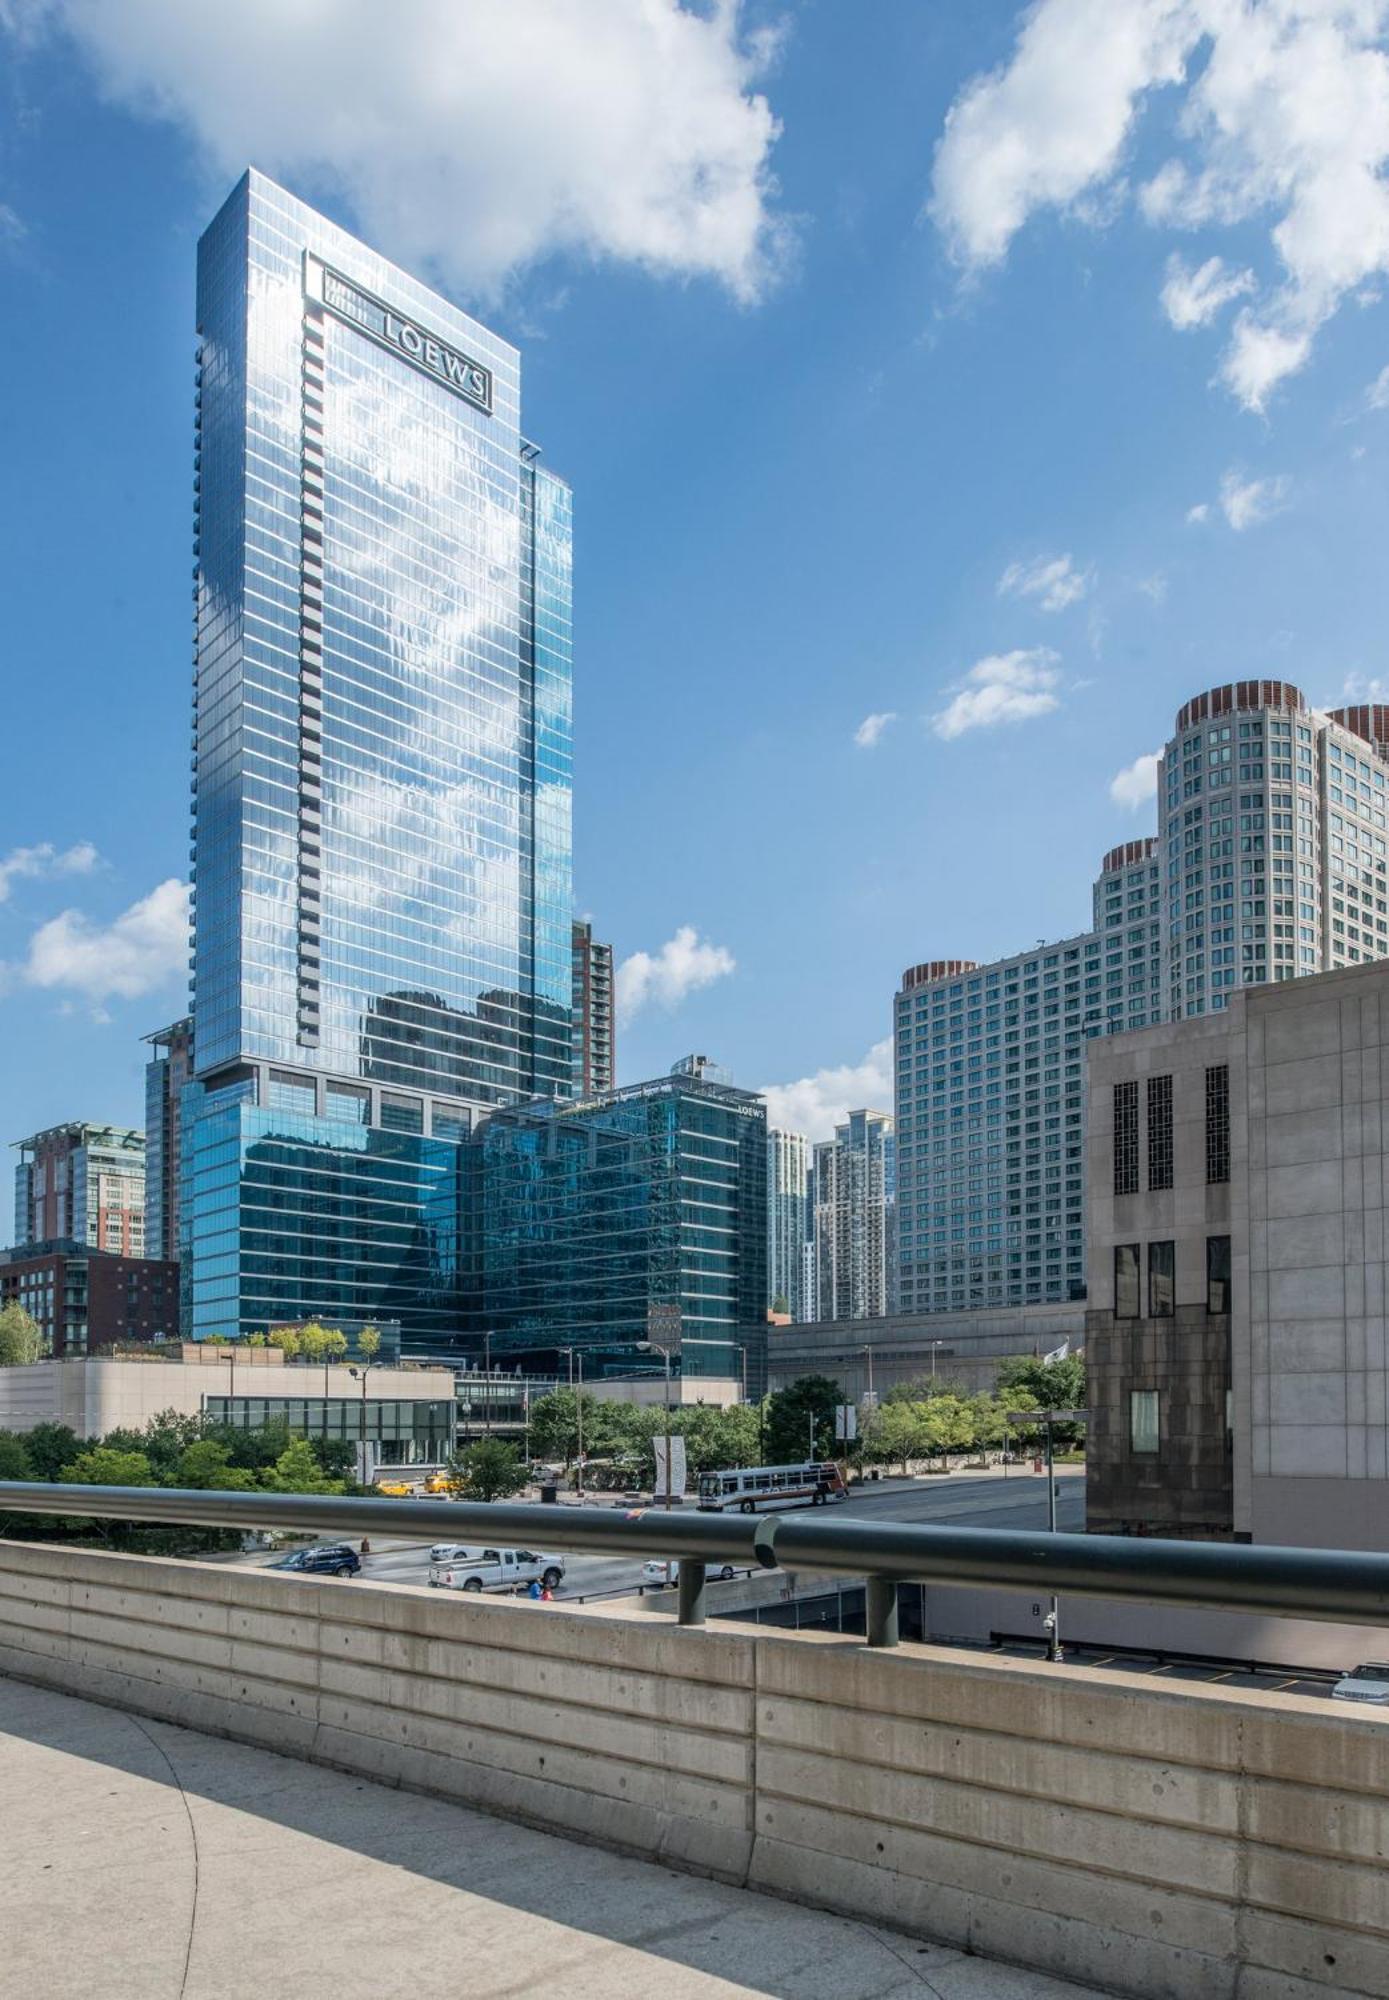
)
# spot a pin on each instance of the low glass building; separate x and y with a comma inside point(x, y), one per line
point(623, 1225)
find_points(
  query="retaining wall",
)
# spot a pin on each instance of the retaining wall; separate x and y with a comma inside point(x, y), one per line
point(1172, 1840)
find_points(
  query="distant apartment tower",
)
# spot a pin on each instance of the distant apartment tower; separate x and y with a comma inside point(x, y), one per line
point(991, 1099)
point(82, 1184)
point(595, 1046)
point(787, 1205)
point(1271, 823)
point(169, 1068)
point(855, 1206)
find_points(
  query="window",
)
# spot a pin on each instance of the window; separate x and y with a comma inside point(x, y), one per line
point(1126, 1281)
point(1217, 1274)
point(1218, 1123)
point(1159, 1131)
point(1162, 1279)
point(1143, 1420)
point(1126, 1138)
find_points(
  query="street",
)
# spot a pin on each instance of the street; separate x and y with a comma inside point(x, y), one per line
point(963, 1499)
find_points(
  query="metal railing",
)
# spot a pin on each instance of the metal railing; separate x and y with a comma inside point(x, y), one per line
point(1332, 1585)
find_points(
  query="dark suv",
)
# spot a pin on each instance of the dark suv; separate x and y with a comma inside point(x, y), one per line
point(328, 1559)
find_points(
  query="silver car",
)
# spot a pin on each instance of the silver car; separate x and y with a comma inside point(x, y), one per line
point(1367, 1683)
point(452, 1552)
point(665, 1572)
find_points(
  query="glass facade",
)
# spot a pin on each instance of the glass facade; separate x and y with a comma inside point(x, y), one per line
point(381, 818)
point(637, 1217)
point(404, 1432)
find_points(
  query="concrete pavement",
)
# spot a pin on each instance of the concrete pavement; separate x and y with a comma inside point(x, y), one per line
point(149, 1862)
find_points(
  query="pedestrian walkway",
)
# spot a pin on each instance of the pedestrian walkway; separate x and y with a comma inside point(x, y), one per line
point(142, 1861)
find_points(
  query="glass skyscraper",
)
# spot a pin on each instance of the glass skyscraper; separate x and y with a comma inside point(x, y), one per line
point(639, 1216)
point(381, 815)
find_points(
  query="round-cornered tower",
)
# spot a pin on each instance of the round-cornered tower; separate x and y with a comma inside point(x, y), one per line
point(932, 969)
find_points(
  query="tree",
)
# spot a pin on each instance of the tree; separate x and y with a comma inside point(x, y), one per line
point(313, 1341)
point(206, 1467)
point(337, 1457)
point(334, 1343)
point(101, 1466)
point(297, 1470)
point(369, 1343)
point(288, 1339)
point(948, 1423)
point(21, 1337)
point(896, 1433)
point(1054, 1385)
point(14, 1457)
point(781, 1304)
point(555, 1427)
point(788, 1416)
point(51, 1447)
point(491, 1469)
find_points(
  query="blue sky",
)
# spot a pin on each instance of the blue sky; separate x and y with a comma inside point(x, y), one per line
point(1009, 374)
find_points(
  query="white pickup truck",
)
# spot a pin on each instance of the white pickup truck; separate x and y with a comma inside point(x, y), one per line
point(498, 1569)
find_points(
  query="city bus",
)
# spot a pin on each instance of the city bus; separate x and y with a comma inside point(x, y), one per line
point(745, 1489)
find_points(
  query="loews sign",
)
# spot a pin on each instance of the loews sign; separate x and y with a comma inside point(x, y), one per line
point(432, 356)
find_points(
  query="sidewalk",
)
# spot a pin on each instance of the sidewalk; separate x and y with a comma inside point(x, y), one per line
point(146, 1862)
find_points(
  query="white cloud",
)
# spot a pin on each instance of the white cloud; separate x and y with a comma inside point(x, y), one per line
point(1199, 513)
point(1049, 126)
point(1247, 502)
point(815, 1104)
point(470, 141)
point(1377, 395)
point(1285, 115)
point(684, 963)
point(869, 732)
point(144, 948)
point(45, 860)
point(1136, 783)
point(1005, 687)
point(1154, 587)
point(1194, 297)
point(1054, 581)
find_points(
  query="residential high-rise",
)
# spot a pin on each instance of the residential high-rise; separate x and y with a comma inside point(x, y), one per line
point(167, 1071)
point(636, 1217)
point(82, 1184)
point(381, 831)
point(1271, 822)
point(787, 1207)
point(855, 1215)
point(595, 1051)
point(991, 1099)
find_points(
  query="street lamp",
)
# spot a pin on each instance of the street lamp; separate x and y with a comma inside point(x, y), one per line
point(1047, 1418)
point(654, 1347)
point(573, 1353)
point(357, 1373)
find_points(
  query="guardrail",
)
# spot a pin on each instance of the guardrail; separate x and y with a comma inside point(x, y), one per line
point(1333, 1585)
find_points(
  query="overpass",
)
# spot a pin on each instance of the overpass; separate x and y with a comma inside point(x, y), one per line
point(1172, 1839)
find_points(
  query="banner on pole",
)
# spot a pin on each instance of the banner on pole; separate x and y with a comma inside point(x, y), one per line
point(670, 1484)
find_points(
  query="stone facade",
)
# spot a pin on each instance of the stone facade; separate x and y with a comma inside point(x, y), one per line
point(1304, 1214)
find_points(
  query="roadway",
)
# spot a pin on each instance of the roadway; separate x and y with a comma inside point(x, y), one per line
point(963, 1499)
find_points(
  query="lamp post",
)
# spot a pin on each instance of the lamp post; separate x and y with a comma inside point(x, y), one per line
point(573, 1353)
point(356, 1374)
point(487, 1371)
point(654, 1347)
point(1047, 1418)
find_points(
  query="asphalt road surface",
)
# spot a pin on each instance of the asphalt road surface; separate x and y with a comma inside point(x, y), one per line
point(963, 1499)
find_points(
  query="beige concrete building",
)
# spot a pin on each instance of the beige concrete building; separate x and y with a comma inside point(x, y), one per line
point(407, 1414)
point(1236, 1311)
point(964, 1349)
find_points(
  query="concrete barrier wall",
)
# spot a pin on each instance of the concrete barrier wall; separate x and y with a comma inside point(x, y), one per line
point(1174, 1840)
